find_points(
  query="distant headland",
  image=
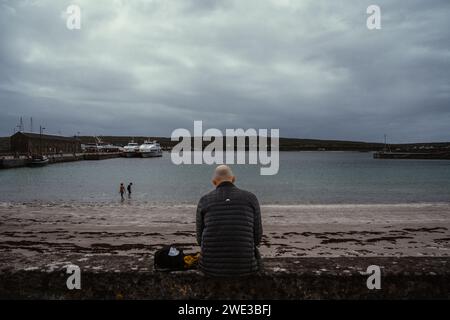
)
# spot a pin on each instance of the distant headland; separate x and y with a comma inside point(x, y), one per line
point(286, 144)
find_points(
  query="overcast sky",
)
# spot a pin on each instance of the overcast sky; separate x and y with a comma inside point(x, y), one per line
point(308, 67)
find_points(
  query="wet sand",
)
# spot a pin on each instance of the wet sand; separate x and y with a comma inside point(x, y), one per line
point(42, 231)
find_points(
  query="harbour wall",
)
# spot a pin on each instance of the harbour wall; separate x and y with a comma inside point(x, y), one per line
point(11, 162)
point(416, 156)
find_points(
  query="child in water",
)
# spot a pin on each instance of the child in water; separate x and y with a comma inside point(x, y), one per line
point(122, 190)
point(129, 189)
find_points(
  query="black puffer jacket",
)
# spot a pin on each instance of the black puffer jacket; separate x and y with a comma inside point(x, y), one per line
point(228, 230)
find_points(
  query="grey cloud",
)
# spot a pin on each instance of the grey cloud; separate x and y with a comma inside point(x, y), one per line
point(310, 68)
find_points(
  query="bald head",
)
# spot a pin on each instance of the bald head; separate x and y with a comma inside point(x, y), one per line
point(223, 173)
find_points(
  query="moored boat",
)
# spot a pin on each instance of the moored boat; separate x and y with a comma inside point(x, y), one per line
point(38, 161)
point(131, 150)
point(150, 149)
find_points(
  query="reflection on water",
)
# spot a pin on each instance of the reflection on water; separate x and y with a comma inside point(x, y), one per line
point(304, 177)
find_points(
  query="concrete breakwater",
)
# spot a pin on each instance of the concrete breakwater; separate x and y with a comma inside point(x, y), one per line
point(7, 163)
point(101, 155)
point(415, 155)
point(125, 277)
point(13, 163)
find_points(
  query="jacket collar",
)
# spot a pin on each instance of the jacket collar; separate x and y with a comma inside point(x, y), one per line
point(225, 184)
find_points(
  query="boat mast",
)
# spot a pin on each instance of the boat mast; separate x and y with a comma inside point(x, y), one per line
point(386, 146)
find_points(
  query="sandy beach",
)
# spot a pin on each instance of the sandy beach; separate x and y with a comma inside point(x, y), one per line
point(41, 231)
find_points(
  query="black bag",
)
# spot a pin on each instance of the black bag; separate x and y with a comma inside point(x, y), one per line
point(169, 258)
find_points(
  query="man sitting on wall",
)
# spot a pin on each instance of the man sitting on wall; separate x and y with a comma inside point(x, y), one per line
point(229, 228)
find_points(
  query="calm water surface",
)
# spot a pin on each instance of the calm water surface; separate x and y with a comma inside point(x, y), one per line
point(304, 177)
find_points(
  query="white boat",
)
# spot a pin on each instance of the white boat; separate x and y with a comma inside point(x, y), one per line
point(131, 150)
point(108, 147)
point(91, 147)
point(150, 149)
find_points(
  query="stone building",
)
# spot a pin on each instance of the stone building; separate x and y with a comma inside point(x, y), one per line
point(35, 143)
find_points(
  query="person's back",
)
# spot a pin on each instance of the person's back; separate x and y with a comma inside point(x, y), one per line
point(228, 229)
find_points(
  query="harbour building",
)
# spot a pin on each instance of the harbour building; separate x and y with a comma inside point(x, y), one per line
point(35, 143)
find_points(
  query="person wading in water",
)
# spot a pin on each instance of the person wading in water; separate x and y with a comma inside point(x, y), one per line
point(122, 190)
point(129, 189)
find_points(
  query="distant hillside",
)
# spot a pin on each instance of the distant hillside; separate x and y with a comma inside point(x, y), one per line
point(286, 144)
point(291, 144)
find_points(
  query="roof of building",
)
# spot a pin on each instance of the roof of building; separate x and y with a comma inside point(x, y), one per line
point(46, 136)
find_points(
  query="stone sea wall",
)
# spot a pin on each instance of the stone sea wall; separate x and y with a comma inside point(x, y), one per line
point(124, 277)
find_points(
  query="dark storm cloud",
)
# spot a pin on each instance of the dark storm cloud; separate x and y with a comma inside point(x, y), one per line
point(310, 68)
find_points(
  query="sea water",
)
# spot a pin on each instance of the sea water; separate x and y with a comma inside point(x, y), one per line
point(303, 178)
